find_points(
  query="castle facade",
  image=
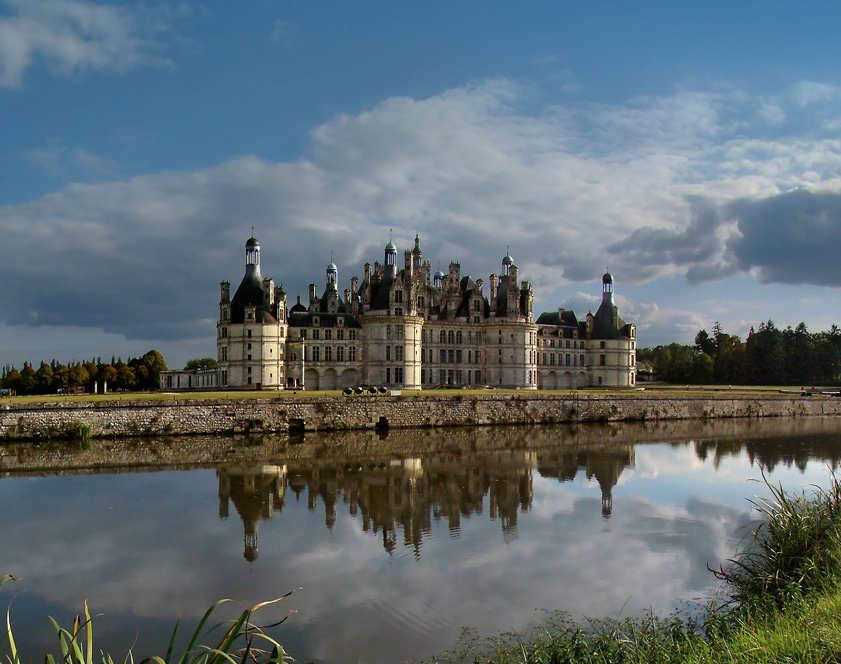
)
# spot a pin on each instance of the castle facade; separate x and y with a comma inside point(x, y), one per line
point(403, 327)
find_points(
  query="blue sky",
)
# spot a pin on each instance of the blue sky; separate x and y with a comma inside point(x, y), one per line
point(693, 149)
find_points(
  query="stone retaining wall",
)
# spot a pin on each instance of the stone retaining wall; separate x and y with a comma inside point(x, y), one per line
point(251, 415)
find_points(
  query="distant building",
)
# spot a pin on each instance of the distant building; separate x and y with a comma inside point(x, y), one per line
point(404, 327)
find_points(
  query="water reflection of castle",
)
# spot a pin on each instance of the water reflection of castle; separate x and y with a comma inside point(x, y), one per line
point(390, 496)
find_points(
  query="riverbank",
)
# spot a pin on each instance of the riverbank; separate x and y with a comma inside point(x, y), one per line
point(129, 416)
point(782, 603)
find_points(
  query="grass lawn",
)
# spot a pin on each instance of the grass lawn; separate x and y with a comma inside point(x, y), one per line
point(656, 389)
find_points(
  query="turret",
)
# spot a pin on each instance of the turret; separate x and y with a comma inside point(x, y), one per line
point(390, 260)
point(332, 276)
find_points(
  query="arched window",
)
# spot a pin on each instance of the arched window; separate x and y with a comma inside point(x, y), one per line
point(443, 337)
point(458, 337)
point(451, 337)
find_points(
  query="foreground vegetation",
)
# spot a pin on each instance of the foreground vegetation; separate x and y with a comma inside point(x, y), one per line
point(782, 603)
point(239, 639)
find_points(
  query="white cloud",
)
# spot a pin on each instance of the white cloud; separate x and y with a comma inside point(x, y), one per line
point(639, 187)
point(69, 36)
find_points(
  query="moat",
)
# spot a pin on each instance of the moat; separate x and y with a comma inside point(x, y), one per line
point(397, 539)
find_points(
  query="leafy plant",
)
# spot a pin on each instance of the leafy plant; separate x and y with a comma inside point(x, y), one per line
point(242, 640)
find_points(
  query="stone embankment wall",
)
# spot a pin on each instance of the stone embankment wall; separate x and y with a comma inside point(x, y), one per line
point(252, 415)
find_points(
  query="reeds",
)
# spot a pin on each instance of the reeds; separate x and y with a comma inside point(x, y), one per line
point(793, 552)
point(241, 641)
point(782, 604)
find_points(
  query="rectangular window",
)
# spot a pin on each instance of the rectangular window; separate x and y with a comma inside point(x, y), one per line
point(478, 357)
point(452, 356)
point(316, 335)
point(388, 331)
point(340, 335)
point(458, 356)
point(328, 353)
point(398, 332)
point(316, 354)
point(303, 334)
point(470, 357)
point(340, 354)
point(443, 356)
point(567, 343)
point(442, 376)
point(224, 332)
point(398, 374)
point(478, 376)
point(351, 334)
point(388, 353)
point(602, 360)
point(423, 376)
point(351, 353)
point(398, 296)
point(601, 344)
point(388, 375)
point(328, 334)
point(249, 334)
point(249, 346)
point(224, 378)
point(567, 359)
point(224, 357)
point(398, 353)
point(398, 311)
point(249, 356)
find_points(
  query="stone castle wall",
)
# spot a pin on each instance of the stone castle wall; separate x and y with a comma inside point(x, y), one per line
point(252, 415)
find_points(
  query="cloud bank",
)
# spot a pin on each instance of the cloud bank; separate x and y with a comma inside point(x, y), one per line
point(697, 185)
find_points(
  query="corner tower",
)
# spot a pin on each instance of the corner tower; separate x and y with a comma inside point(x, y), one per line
point(252, 328)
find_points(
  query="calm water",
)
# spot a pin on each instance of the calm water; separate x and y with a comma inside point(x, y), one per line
point(397, 541)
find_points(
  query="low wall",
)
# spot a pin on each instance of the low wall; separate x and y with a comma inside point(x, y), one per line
point(251, 415)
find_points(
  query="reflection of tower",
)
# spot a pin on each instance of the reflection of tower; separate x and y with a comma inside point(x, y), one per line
point(607, 467)
point(255, 491)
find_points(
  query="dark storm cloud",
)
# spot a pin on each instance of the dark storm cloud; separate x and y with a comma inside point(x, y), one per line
point(650, 249)
point(789, 238)
point(792, 238)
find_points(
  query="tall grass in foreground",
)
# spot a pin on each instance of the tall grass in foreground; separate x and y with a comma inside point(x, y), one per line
point(782, 603)
point(237, 640)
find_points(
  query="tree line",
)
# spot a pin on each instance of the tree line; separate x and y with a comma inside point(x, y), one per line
point(769, 356)
point(138, 374)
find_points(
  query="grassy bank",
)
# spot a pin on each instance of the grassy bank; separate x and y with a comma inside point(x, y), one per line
point(657, 389)
point(781, 603)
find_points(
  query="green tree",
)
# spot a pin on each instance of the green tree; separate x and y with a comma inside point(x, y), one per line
point(44, 379)
point(125, 377)
point(201, 364)
point(28, 380)
point(61, 376)
point(107, 373)
point(154, 363)
point(12, 380)
point(78, 376)
point(92, 370)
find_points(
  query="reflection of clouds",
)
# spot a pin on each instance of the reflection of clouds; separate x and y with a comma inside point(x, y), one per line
point(103, 539)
